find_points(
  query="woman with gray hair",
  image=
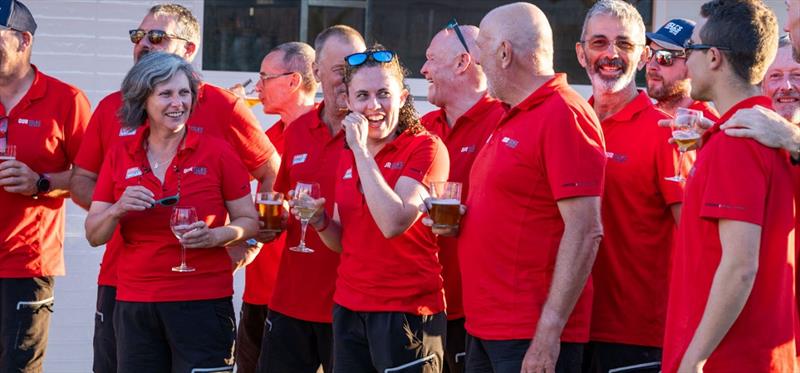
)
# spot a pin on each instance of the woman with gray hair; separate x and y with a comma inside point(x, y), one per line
point(171, 318)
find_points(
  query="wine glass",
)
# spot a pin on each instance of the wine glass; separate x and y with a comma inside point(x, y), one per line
point(304, 196)
point(180, 222)
point(685, 134)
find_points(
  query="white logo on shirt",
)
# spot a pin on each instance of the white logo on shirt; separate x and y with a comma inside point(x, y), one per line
point(300, 158)
point(511, 143)
point(126, 131)
point(468, 149)
point(133, 172)
point(348, 174)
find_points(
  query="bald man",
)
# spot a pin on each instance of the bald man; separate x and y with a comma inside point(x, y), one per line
point(641, 198)
point(525, 269)
point(466, 117)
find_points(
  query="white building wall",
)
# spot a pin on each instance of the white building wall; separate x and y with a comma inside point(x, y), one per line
point(85, 42)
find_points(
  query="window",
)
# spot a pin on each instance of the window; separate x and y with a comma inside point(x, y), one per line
point(238, 33)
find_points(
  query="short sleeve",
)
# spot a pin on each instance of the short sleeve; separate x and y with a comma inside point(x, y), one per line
point(429, 161)
point(247, 138)
point(75, 123)
point(235, 179)
point(573, 153)
point(667, 157)
point(738, 180)
point(104, 189)
point(90, 155)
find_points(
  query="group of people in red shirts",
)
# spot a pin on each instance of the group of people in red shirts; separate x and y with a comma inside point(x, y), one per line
point(577, 252)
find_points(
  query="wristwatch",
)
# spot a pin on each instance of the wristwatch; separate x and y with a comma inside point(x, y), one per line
point(43, 184)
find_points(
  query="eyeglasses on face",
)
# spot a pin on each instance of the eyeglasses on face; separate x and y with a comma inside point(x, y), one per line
point(153, 36)
point(665, 57)
point(601, 44)
point(357, 59)
point(690, 46)
point(266, 77)
point(453, 25)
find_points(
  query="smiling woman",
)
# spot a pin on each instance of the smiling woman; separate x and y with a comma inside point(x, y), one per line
point(163, 167)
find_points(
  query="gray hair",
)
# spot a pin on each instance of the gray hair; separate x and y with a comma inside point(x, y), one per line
point(299, 57)
point(152, 69)
point(625, 12)
point(188, 27)
point(342, 32)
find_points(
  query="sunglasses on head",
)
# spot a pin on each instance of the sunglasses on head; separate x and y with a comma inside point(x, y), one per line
point(665, 57)
point(153, 36)
point(453, 25)
point(357, 59)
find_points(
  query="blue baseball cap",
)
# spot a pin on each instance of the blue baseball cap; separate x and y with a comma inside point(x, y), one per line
point(673, 34)
point(16, 16)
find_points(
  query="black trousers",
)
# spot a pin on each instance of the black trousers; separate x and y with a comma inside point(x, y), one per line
point(178, 337)
point(602, 357)
point(25, 308)
point(387, 342)
point(249, 336)
point(485, 356)
point(454, 350)
point(104, 342)
point(295, 346)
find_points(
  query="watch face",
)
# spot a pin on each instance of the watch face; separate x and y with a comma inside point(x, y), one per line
point(43, 185)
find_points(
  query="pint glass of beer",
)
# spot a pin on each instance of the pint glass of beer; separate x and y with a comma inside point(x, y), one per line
point(445, 204)
point(269, 206)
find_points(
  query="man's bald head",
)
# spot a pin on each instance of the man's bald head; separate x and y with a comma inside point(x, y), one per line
point(447, 39)
point(525, 27)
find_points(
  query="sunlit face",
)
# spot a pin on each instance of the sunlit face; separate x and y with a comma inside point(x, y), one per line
point(697, 67)
point(611, 53)
point(439, 68)
point(782, 85)
point(11, 55)
point(330, 68)
point(167, 24)
point(792, 25)
point(170, 103)
point(665, 82)
point(273, 86)
point(377, 94)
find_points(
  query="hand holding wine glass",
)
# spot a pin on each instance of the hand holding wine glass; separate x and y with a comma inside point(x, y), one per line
point(304, 205)
point(181, 223)
point(685, 133)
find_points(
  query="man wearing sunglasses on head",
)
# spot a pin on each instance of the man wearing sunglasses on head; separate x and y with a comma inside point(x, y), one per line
point(218, 113)
point(640, 207)
point(42, 121)
point(467, 115)
point(667, 79)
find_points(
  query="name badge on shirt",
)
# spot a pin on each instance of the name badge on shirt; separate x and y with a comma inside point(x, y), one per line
point(348, 174)
point(127, 131)
point(468, 149)
point(299, 158)
point(133, 172)
point(511, 143)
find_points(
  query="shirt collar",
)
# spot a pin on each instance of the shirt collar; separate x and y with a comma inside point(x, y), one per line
point(744, 104)
point(37, 90)
point(135, 146)
point(476, 112)
point(631, 110)
point(557, 82)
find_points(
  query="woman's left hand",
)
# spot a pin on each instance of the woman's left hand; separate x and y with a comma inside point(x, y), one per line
point(356, 128)
point(200, 237)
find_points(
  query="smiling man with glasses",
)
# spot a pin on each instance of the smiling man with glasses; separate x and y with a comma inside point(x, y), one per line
point(667, 79)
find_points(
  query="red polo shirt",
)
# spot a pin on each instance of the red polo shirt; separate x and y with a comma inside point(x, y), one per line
point(305, 284)
point(46, 126)
point(260, 275)
point(708, 111)
point(547, 148)
point(737, 179)
point(463, 141)
point(218, 113)
point(209, 173)
point(630, 275)
point(400, 274)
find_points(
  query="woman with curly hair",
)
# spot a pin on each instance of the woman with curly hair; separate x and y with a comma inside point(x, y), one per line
point(389, 303)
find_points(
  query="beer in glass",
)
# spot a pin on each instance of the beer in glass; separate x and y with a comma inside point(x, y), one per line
point(269, 206)
point(445, 204)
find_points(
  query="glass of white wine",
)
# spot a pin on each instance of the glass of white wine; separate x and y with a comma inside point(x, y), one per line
point(685, 133)
point(304, 196)
point(180, 223)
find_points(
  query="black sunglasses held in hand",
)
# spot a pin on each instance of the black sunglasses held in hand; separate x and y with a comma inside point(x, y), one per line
point(154, 36)
point(357, 59)
point(453, 25)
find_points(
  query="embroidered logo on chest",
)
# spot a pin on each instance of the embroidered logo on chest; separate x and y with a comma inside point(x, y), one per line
point(299, 158)
point(509, 142)
point(348, 174)
point(394, 165)
point(196, 129)
point(197, 170)
point(616, 157)
point(468, 149)
point(29, 122)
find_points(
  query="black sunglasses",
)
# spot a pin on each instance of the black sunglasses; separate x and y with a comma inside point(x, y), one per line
point(154, 36)
point(453, 25)
point(665, 57)
point(690, 46)
point(357, 59)
point(174, 199)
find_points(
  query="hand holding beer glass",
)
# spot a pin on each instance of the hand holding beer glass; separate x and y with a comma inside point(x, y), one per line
point(305, 205)
point(444, 207)
point(685, 133)
point(8, 152)
point(270, 215)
